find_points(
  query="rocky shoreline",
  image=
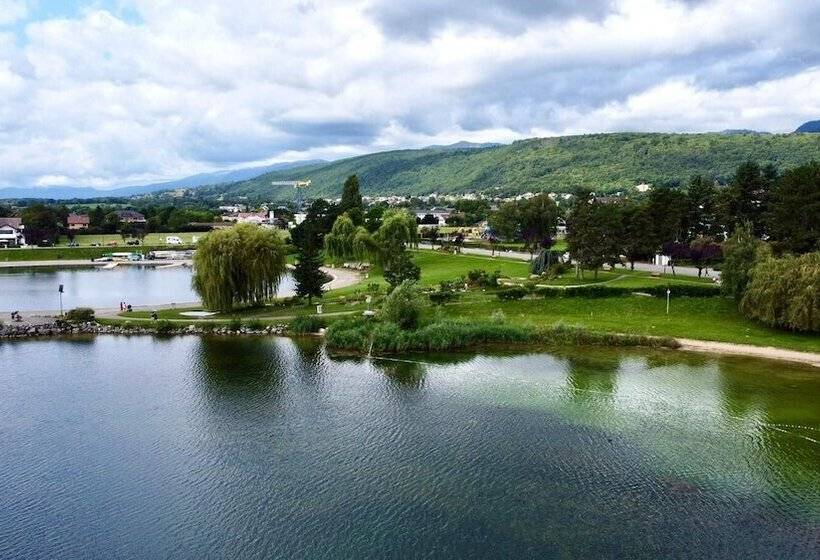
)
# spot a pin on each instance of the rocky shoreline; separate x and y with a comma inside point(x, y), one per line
point(63, 328)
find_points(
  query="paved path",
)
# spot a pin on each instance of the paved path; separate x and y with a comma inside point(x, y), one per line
point(646, 267)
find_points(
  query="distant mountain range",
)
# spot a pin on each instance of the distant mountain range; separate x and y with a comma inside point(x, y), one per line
point(601, 162)
point(810, 126)
point(194, 181)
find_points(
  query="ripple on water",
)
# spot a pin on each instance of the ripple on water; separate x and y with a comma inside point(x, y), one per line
point(260, 448)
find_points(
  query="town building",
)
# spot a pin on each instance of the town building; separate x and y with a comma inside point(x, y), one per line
point(130, 217)
point(11, 232)
point(78, 221)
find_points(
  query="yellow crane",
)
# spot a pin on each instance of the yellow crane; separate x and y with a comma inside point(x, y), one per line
point(299, 187)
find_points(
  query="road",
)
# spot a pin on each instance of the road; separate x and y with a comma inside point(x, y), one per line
point(646, 267)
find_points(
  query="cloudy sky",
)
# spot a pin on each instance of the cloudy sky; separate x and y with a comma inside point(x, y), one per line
point(112, 92)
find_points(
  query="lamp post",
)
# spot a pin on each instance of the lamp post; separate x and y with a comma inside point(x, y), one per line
point(668, 293)
point(60, 291)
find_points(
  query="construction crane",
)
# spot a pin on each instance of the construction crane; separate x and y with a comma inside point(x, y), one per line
point(299, 187)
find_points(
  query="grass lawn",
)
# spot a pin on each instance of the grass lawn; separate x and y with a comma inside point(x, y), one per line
point(68, 253)
point(152, 239)
point(712, 318)
point(707, 318)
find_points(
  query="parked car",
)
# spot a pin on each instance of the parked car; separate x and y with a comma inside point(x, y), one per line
point(111, 244)
point(173, 240)
point(133, 242)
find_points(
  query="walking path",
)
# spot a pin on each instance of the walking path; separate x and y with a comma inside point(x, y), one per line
point(768, 352)
point(520, 256)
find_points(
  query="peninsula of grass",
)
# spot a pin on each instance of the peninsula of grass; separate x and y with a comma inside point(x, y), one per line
point(632, 310)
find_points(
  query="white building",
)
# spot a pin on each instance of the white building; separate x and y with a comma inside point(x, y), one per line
point(11, 232)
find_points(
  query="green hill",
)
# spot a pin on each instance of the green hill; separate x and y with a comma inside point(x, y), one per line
point(604, 162)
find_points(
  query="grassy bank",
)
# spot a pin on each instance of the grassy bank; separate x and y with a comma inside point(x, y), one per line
point(364, 335)
point(72, 253)
point(705, 318)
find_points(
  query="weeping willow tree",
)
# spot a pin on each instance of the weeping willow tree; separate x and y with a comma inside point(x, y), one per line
point(238, 266)
point(346, 241)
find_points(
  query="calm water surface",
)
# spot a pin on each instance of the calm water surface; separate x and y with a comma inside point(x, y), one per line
point(191, 447)
point(35, 288)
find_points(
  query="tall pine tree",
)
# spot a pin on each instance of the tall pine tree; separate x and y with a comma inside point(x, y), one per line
point(308, 275)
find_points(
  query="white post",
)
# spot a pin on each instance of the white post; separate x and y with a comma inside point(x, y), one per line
point(668, 292)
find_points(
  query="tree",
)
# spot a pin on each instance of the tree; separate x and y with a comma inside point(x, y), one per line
point(701, 219)
point(636, 232)
point(506, 221)
point(401, 306)
point(668, 209)
point(745, 198)
point(42, 225)
point(6, 211)
point(537, 219)
point(676, 251)
point(319, 220)
point(398, 230)
point(783, 292)
point(429, 220)
point(592, 230)
point(793, 220)
point(740, 252)
point(352, 200)
point(347, 241)
point(307, 273)
point(241, 265)
point(703, 251)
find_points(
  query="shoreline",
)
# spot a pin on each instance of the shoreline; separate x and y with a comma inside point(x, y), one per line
point(62, 329)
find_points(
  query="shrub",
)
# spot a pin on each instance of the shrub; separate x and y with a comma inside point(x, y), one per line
point(509, 294)
point(255, 325)
point(349, 334)
point(784, 293)
point(441, 297)
point(478, 278)
point(80, 315)
point(307, 324)
point(234, 324)
point(164, 327)
point(402, 305)
point(594, 291)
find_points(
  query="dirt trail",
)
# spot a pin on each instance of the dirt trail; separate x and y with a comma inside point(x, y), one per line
point(768, 352)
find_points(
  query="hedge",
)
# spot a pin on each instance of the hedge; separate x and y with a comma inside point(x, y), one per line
point(593, 291)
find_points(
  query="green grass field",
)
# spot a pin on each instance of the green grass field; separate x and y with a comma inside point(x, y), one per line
point(152, 239)
point(707, 318)
point(58, 254)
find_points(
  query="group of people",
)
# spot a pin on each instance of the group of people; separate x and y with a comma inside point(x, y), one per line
point(125, 306)
point(15, 316)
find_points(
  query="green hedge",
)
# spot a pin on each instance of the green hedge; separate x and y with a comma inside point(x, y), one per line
point(593, 291)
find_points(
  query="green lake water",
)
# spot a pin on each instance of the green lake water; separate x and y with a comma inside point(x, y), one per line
point(189, 447)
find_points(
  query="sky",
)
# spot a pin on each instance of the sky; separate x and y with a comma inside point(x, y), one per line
point(116, 92)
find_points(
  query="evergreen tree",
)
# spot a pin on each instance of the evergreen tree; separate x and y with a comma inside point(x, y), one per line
point(308, 274)
point(701, 219)
point(351, 202)
point(745, 198)
point(794, 210)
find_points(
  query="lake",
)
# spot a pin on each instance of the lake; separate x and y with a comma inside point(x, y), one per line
point(268, 448)
point(35, 288)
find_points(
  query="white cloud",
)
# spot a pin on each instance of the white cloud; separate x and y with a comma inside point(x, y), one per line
point(187, 86)
point(12, 11)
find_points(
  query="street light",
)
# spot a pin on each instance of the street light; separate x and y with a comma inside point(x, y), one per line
point(668, 292)
point(60, 290)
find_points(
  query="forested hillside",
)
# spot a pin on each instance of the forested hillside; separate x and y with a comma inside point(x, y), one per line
point(603, 162)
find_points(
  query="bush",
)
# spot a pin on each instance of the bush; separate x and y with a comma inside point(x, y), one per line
point(235, 324)
point(785, 293)
point(164, 327)
point(307, 324)
point(402, 305)
point(255, 325)
point(478, 278)
point(594, 291)
point(509, 294)
point(349, 334)
point(80, 315)
point(441, 297)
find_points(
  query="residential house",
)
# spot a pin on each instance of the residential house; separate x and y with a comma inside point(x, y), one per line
point(11, 232)
point(78, 221)
point(247, 218)
point(130, 217)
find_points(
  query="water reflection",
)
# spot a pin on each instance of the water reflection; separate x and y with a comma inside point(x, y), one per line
point(236, 367)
